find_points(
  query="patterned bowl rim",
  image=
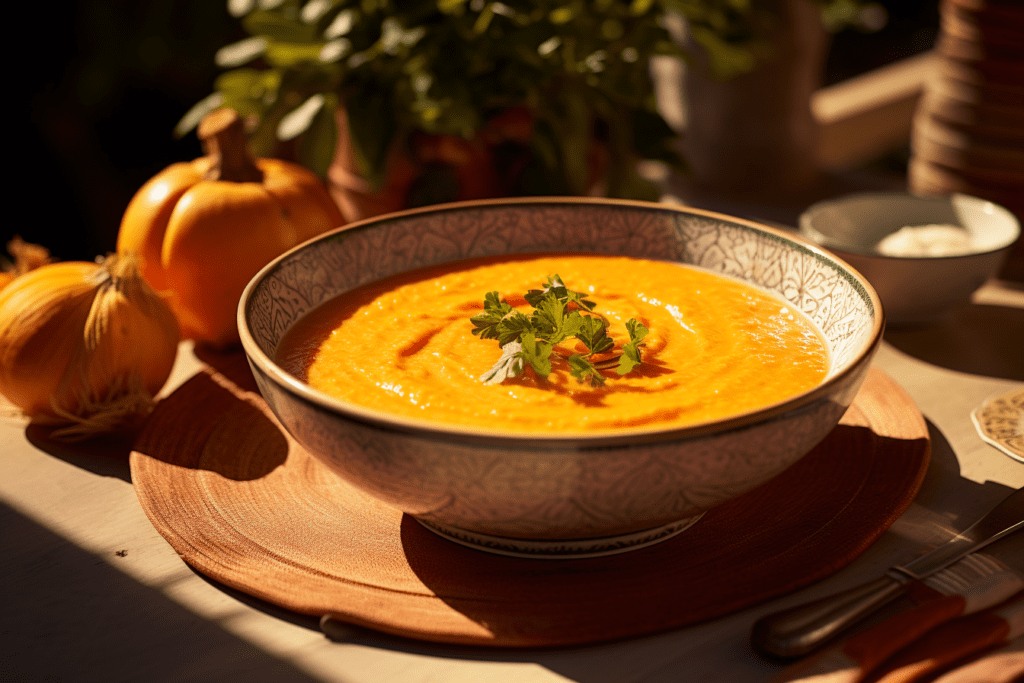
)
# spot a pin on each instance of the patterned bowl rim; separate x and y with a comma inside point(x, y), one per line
point(517, 440)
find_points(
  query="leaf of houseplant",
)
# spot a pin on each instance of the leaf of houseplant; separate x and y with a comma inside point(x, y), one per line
point(241, 52)
point(371, 129)
point(279, 27)
point(248, 91)
point(316, 146)
point(196, 113)
point(286, 55)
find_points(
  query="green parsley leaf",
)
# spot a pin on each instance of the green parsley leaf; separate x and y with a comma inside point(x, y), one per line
point(554, 285)
point(637, 331)
point(559, 314)
point(537, 353)
point(486, 324)
point(549, 314)
point(550, 320)
point(512, 327)
point(631, 351)
point(594, 334)
point(583, 370)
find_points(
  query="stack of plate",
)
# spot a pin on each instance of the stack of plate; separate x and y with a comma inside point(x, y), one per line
point(968, 134)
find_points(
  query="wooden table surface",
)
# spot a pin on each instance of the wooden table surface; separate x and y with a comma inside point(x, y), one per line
point(91, 592)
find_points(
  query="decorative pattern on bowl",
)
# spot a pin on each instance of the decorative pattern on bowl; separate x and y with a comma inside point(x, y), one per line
point(477, 484)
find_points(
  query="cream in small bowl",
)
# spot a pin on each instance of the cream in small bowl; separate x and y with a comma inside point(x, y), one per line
point(559, 493)
point(916, 241)
point(924, 255)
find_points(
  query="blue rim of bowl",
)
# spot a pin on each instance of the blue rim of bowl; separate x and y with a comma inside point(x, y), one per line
point(439, 431)
point(815, 237)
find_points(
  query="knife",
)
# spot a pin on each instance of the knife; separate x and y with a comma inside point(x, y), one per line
point(798, 630)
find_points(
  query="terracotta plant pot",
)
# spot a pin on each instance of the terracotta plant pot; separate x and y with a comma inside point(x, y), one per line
point(423, 169)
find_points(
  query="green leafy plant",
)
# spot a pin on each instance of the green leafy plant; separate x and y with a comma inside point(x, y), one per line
point(578, 68)
point(559, 314)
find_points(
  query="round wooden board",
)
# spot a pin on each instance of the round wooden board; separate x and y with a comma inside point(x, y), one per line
point(241, 502)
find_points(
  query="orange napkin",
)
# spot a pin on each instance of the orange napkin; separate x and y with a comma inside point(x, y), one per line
point(968, 587)
point(1003, 665)
point(959, 640)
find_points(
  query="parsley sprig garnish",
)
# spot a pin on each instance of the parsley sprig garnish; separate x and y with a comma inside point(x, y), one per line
point(558, 314)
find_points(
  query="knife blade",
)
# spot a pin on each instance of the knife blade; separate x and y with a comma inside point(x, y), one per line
point(796, 631)
point(1002, 520)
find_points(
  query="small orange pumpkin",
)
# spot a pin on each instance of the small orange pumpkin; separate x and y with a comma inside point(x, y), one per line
point(202, 229)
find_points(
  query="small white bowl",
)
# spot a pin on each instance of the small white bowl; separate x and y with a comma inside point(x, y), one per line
point(914, 289)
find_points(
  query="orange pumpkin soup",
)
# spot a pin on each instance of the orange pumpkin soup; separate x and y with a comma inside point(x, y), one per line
point(716, 347)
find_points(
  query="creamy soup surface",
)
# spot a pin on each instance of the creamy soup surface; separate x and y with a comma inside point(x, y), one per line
point(716, 347)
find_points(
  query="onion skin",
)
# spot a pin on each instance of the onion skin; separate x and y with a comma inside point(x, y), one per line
point(37, 311)
point(84, 344)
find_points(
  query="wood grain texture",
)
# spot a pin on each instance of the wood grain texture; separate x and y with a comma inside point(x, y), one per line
point(241, 502)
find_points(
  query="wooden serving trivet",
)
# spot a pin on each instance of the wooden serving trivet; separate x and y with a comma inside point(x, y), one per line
point(241, 502)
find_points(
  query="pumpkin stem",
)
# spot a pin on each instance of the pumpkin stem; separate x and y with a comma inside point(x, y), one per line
point(224, 141)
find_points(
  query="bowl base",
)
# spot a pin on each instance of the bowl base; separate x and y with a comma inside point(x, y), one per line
point(561, 549)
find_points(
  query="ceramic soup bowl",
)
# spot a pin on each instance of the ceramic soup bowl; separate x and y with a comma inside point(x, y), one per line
point(559, 495)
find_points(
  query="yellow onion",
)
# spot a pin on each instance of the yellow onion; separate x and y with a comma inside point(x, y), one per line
point(85, 346)
point(26, 257)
